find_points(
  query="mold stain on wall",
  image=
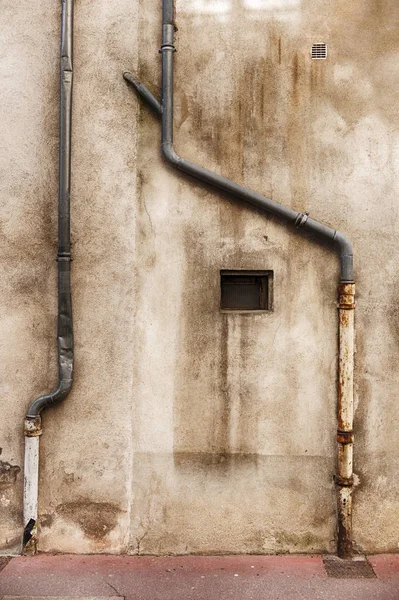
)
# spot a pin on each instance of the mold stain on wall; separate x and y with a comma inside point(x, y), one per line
point(240, 131)
point(249, 395)
point(9, 506)
point(96, 519)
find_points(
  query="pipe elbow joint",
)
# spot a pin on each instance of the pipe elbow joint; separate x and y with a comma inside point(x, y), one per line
point(170, 154)
point(346, 256)
point(343, 243)
point(42, 402)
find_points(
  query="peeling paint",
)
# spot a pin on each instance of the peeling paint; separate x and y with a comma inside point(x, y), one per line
point(8, 474)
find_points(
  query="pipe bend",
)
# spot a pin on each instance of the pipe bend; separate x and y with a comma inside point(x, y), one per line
point(346, 256)
point(343, 243)
point(36, 407)
point(169, 153)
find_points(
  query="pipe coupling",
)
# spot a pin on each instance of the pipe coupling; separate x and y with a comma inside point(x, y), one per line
point(168, 33)
point(346, 293)
point(167, 47)
point(33, 426)
point(301, 220)
point(343, 481)
point(64, 257)
point(345, 437)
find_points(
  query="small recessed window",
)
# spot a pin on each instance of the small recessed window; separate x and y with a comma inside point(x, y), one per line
point(319, 51)
point(246, 290)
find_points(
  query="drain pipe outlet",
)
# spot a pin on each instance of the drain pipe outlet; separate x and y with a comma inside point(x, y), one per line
point(32, 428)
point(344, 478)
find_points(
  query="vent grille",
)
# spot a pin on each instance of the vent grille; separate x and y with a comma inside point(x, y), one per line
point(319, 51)
point(246, 290)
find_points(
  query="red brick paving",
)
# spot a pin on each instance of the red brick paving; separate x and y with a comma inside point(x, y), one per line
point(194, 578)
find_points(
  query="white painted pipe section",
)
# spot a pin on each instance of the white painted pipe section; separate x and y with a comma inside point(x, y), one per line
point(31, 483)
point(344, 477)
point(31, 469)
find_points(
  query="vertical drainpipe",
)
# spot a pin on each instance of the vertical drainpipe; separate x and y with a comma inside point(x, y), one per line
point(346, 289)
point(32, 425)
point(344, 478)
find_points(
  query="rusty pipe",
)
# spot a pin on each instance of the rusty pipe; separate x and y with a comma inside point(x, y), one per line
point(32, 428)
point(344, 476)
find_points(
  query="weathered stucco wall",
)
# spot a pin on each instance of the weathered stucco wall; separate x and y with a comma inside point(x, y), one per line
point(190, 430)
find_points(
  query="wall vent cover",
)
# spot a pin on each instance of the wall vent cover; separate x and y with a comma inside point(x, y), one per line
point(319, 51)
point(246, 290)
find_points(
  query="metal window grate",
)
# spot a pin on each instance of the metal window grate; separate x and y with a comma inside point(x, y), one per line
point(246, 290)
point(319, 51)
point(348, 569)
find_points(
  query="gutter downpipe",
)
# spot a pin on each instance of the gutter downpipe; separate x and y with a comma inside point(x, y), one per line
point(32, 424)
point(346, 288)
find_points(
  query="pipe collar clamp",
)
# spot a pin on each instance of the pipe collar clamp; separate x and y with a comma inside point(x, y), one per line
point(64, 257)
point(167, 47)
point(343, 481)
point(344, 437)
point(301, 220)
point(33, 426)
point(346, 292)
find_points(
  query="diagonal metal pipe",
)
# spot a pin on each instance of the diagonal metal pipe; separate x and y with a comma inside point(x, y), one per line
point(32, 426)
point(346, 289)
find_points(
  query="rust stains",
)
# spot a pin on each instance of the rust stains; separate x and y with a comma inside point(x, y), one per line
point(295, 73)
point(96, 519)
point(344, 319)
point(344, 437)
point(345, 523)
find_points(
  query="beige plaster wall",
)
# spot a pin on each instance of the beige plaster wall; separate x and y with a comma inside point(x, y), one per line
point(190, 430)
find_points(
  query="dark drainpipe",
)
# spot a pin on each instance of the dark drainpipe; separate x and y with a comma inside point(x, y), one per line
point(64, 325)
point(346, 290)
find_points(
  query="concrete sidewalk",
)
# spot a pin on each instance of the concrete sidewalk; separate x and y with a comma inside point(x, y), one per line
point(192, 578)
